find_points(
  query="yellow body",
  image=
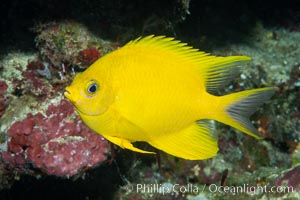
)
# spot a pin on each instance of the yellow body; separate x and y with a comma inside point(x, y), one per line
point(155, 89)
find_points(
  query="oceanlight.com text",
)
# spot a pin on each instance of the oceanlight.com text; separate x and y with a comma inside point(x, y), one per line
point(251, 189)
point(169, 188)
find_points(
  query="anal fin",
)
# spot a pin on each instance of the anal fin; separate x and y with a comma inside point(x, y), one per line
point(193, 143)
point(125, 144)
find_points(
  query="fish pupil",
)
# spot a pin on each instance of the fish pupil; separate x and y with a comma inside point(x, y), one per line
point(92, 88)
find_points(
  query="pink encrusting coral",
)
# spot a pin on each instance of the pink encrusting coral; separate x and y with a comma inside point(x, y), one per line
point(4, 100)
point(87, 56)
point(57, 143)
point(291, 179)
point(33, 81)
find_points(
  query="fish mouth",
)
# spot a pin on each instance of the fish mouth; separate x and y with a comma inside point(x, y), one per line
point(68, 95)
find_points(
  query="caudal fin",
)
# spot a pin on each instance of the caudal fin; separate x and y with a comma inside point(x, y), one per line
point(238, 107)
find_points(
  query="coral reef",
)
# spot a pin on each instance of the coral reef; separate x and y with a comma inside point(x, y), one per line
point(68, 44)
point(54, 143)
point(4, 101)
point(291, 178)
point(87, 56)
point(40, 131)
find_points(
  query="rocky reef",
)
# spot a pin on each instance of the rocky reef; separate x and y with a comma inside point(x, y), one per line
point(56, 143)
point(39, 128)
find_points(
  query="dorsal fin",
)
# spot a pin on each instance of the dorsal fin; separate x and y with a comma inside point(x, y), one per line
point(216, 71)
point(219, 71)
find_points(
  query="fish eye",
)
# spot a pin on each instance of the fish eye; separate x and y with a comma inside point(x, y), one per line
point(92, 88)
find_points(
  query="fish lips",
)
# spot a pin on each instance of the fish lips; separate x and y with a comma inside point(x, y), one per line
point(68, 95)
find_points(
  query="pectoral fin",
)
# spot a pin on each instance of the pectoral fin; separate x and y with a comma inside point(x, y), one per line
point(125, 144)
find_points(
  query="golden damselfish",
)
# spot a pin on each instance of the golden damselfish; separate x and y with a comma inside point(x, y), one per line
point(158, 90)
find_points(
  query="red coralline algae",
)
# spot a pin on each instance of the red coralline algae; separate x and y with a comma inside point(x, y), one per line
point(88, 56)
point(32, 77)
point(291, 179)
point(54, 143)
point(3, 87)
point(4, 100)
point(33, 82)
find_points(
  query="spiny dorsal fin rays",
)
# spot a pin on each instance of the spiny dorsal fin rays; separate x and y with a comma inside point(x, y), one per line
point(165, 43)
point(215, 71)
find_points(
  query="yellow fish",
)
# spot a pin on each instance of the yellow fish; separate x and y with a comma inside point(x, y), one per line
point(158, 90)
